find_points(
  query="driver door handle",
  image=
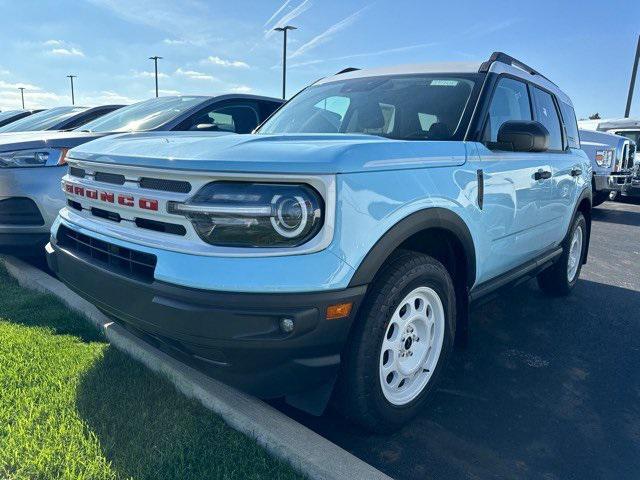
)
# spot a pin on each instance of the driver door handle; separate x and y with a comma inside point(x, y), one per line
point(542, 175)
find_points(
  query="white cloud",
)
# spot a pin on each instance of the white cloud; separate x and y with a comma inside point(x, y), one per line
point(289, 17)
point(241, 89)
point(145, 74)
point(328, 34)
point(67, 52)
point(15, 86)
point(174, 41)
point(482, 29)
point(192, 74)
point(105, 97)
point(52, 43)
point(10, 99)
point(225, 63)
point(166, 92)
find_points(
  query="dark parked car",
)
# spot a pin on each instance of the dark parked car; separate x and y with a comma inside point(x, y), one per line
point(59, 118)
point(10, 116)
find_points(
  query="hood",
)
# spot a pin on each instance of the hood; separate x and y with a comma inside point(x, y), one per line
point(44, 139)
point(291, 153)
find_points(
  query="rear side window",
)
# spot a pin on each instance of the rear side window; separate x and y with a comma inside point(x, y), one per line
point(569, 117)
point(235, 118)
point(510, 102)
point(546, 113)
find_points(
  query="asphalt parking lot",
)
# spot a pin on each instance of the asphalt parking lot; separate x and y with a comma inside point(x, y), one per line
point(547, 389)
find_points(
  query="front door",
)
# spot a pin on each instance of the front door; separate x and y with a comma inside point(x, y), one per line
point(515, 187)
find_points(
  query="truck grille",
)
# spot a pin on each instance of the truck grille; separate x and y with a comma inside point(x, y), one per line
point(132, 263)
point(632, 154)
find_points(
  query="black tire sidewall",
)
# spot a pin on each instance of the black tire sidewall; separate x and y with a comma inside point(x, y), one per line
point(579, 220)
point(429, 275)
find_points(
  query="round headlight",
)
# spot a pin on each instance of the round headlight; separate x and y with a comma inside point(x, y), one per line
point(243, 214)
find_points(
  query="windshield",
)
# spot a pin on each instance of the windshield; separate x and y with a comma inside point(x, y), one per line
point(631, 135)
point(147, 115)
point(404, 107)
point(41, 121)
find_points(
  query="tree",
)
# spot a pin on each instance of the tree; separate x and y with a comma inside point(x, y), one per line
point(595, 116)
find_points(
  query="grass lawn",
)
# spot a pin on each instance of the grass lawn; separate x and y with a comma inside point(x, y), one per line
point(73, 407)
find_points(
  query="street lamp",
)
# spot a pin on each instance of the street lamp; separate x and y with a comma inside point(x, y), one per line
point(284, 57)
point(73, 98)
point(632, 83)
point(22, 95)
point(155, 63)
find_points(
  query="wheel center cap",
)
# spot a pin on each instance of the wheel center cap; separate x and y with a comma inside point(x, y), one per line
point(407, 343)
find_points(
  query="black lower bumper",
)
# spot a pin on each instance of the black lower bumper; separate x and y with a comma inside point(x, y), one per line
point(235, 337)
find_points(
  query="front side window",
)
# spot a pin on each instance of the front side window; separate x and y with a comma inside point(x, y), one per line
point(142, 116)
point(42, 120)
point(630, 134)
point(510, 102)
point(546, 113)
point(397, 107)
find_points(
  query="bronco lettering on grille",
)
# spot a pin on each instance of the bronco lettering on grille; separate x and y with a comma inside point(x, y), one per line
point(111, 197)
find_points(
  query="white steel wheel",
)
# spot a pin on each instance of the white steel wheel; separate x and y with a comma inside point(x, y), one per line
point(411, 346)
point(575, 253)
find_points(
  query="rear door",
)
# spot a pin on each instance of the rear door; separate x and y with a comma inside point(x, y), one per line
point(512, 192)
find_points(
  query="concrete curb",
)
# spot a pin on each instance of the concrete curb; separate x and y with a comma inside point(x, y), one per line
point(308, 452)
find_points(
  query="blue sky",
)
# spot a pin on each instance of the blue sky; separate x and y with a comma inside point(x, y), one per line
point(212, 46)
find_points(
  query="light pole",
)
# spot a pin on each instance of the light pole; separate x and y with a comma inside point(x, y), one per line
point(22, 95)
point(73, 98)
point(284, 57)
point(632, 84)
point(155, 63)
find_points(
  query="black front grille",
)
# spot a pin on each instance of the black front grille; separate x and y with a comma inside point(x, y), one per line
point(112, 178)
point(125, 261)
point(19, 211)
point(632, 154)
point(77, 172)
point(165, 185)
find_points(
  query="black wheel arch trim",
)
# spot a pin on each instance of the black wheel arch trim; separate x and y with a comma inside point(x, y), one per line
point(433, 217)
point(586, 194)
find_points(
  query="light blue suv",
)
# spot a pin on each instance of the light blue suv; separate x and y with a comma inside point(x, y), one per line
point(335, 252)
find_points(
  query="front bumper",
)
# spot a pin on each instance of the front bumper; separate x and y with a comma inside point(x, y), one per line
point(632, 189)
point(611, 182)
point(40, 185)
point(234, 336)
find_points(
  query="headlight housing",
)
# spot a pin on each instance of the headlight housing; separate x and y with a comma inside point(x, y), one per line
point(37, 157)
point(256, 215)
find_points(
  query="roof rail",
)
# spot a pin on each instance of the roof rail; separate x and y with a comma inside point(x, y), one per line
point(509, 60)
point(347, 70)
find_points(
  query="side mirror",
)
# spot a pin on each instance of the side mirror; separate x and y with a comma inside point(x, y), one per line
point(522, 136)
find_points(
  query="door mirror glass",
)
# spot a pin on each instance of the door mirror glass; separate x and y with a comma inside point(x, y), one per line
point(522, 136)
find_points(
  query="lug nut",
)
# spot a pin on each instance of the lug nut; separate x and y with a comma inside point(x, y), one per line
point(286, 325)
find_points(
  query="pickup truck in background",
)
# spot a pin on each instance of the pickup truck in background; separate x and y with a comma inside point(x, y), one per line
point(612, 159)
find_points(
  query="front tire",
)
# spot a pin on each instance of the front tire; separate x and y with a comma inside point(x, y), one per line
point(400, 343)
point(560, 279)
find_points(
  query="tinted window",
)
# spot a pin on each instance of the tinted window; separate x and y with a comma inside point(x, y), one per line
point(236, 118)
point(546, 113)
point(88, 117)
point(43, 120)
point(571, 125)
point(146, 115)
point(510, 102)
point(398, 107)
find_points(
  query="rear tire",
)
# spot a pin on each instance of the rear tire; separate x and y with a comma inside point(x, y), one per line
point(399, 344)
point(559, 279)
